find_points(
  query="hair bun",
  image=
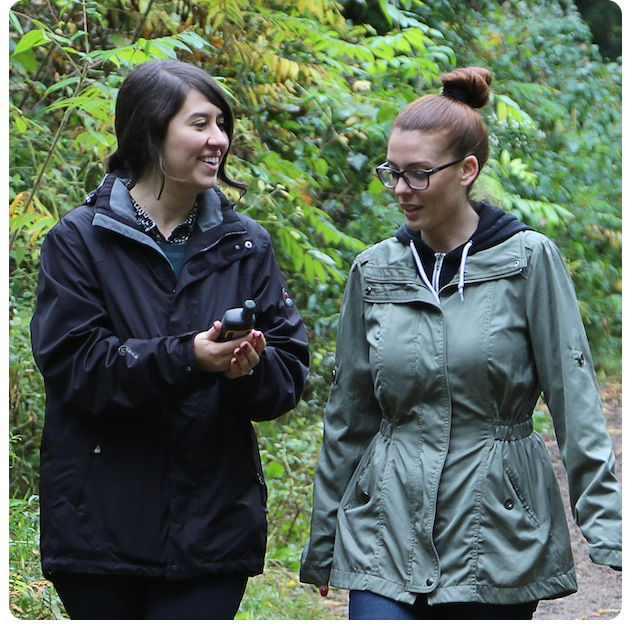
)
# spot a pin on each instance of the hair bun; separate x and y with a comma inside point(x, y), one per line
point(468, 85)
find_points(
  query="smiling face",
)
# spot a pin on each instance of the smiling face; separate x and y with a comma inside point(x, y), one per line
point(443, 207)
point(194, 146)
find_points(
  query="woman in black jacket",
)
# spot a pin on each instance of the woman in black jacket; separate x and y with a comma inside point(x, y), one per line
point(153, 502)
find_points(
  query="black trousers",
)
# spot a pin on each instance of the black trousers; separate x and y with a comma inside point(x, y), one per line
point(113, 597)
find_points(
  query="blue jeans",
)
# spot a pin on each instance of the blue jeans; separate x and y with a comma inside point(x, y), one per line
point(364, 605)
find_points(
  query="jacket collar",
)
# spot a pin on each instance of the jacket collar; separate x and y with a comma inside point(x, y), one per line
point(114, 211)
point(436, 270)
point(507, 258)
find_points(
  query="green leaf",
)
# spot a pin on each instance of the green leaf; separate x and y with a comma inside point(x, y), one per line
point(274, 469)
point(357, 161)
point(30, 40)
point(322, 256)
point(16, 23)
point(321, 167)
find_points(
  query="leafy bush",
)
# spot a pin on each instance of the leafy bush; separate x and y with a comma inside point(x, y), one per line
point(30, 596)
point(26, 400)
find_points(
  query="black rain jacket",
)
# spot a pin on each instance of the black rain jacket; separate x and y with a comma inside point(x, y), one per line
point(149, 466)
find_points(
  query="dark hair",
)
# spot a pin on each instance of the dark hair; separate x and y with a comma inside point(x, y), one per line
point(453, 112)
point(149, 97)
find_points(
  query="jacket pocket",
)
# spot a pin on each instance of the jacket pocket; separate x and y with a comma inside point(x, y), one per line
point(523, 533)
point(91, 454)
point(515, 495)
point(360, 488)
point(394, 285)
point(262, 485)
point(529, 476)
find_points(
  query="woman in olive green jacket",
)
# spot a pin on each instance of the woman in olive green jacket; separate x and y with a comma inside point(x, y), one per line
point(434, 497)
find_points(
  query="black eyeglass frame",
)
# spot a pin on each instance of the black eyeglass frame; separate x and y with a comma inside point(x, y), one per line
point(401, 174)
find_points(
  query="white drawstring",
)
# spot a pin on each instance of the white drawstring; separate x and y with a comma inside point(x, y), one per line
point(426, 280)
point(422, 273)
point(463, 265)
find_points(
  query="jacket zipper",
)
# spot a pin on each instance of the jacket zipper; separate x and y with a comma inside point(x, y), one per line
point(438, 270)
point(436, 274)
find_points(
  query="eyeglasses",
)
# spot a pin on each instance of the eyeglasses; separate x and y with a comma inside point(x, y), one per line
point(416, 179)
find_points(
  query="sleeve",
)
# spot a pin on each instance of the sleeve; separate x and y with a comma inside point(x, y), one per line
point(277, 382)
point(84, 364)
point(352, 417)
point(566, 374)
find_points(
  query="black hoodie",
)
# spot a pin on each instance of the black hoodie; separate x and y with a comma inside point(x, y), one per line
point(494, 227)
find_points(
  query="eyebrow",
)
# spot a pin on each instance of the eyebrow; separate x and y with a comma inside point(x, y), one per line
point(221, 116)
point(416, 165)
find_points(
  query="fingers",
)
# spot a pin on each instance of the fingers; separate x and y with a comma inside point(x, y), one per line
point(234, 359)
point(245, 358)
point(247, 355)
point(214, 331)
point(258, 341)
point(243, 362)
point(215, 356)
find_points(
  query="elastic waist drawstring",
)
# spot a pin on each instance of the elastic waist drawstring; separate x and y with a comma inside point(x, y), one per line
point(426, 280)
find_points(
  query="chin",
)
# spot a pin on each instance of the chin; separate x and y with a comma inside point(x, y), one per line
point(203, 185)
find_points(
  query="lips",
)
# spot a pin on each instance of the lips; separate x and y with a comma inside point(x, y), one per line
point(409, 209)
point(211, 159)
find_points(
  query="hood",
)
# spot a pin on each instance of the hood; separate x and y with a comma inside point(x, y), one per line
point(494, 227)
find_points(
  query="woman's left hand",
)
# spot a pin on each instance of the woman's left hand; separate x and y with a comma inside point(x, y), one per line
point(246, 356)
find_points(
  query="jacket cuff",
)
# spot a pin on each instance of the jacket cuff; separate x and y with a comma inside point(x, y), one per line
point(606, 556)
point(194, 377)
point(318, 577)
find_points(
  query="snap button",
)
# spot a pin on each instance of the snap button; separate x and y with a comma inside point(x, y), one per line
point(175, 569)
point(121, 350)
point(509, 504)
point(580, 360)
point(430, 581)
point(189, 368)
point(248, 245)
point(368, 290)
point(237, 247)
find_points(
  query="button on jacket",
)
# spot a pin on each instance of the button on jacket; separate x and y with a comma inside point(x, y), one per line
point(148, 465)
point(431, 479)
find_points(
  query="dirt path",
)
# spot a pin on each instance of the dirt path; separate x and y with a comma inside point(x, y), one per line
point(599, 594)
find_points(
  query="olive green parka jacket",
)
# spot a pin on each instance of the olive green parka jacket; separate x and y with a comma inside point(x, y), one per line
point(431, 479)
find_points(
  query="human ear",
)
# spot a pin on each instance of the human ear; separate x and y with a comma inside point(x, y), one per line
point(470, 170)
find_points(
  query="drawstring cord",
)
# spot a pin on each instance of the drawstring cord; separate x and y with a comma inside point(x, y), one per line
point(422, 273)
point(463, 265)
point(426, 280)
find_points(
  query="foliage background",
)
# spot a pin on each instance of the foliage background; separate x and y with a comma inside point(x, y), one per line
point(315, 86)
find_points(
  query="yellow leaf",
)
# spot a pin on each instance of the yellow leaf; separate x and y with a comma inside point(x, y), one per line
point(18, 204)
